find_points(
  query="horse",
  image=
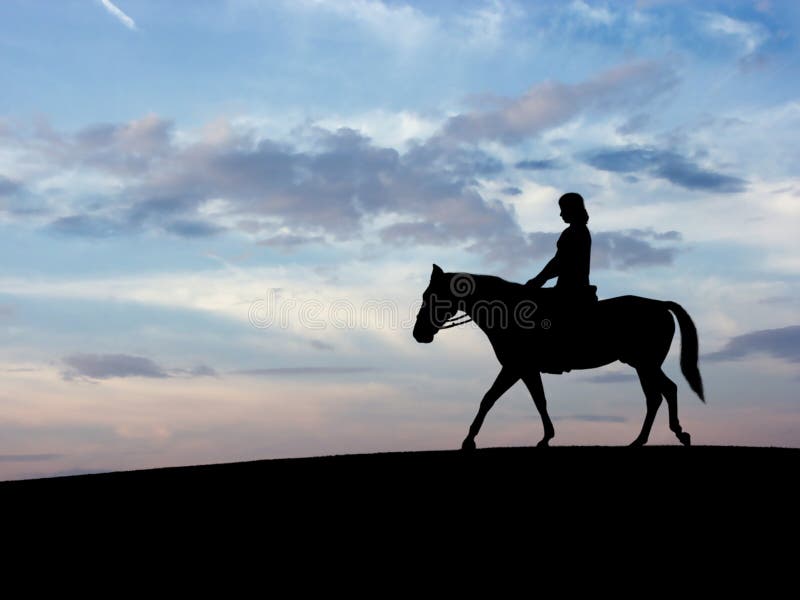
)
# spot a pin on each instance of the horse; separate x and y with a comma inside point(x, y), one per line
point(531, 335)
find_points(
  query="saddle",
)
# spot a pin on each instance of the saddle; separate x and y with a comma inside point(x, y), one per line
point(564, 301)
point(563, 315)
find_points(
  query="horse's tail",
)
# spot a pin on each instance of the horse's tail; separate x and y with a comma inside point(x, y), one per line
point(689, 350)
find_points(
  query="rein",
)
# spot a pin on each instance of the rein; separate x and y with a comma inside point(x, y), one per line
point(456, 321)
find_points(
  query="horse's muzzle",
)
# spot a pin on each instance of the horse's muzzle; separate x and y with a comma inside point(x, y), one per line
point(423, 338)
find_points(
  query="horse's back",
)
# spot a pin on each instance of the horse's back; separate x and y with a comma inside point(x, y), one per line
point(630, 306)
point(628, 300)
point(639, 326)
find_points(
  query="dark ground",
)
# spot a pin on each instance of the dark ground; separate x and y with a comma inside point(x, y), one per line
point(550, 476)
point(402, 512)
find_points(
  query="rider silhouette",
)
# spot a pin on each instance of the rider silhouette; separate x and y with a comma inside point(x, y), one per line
point(565, 307)
point(571, 262)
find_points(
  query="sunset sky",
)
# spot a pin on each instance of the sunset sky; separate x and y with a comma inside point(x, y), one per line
point(218, 217)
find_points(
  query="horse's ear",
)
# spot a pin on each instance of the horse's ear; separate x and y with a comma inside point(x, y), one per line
point(437, 271)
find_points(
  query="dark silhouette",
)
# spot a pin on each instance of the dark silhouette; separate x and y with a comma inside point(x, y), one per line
point(571, 262)
point(401, 502)
point(572, 295)
point(531, 334)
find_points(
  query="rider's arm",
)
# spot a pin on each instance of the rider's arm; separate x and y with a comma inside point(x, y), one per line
point(550, 270)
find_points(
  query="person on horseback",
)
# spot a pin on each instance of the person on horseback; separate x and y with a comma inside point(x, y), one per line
point(571, 262)
point(572, 295)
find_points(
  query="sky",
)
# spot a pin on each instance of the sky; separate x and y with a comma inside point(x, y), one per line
point(218, 218)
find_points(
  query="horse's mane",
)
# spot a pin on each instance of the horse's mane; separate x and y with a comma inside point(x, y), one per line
point(495, 282)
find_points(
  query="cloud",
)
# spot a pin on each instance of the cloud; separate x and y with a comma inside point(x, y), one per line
point(610, 249)
point(592, 14)
point(774, 300)
point(287, 242)
point(750, 34)
point(663, 236)
point(106, 366)
point(512, 191)
point(88, 226)
point(620, 250)
point(320, 345)
point(764, 6)
point(539, 165)
point(783, 343)
point(634, 124)
point(486, 25)
point(330, 191)
point(303, 371)
point(118, 149)
point(119, 15)
point(16, 199)
point(663, 164)
point(548, 104)
point(8, 187)
point(417, 232)
point(611, 378)
point(28, 457)
point(192, 228)
point(126, 148)
point(330, 187)
point(398, 24)
point(196, 371)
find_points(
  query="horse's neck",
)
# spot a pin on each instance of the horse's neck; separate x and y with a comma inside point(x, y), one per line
point(485, 291)
point(490, 291)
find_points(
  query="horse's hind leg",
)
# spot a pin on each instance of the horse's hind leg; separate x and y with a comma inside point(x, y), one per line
point(651, 385)
point(670, 391)
point(535, 387)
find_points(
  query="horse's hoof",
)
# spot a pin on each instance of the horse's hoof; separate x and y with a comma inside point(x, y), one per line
point(545, 443)
point(637, 443)
point(468, 445)
point(685, 438)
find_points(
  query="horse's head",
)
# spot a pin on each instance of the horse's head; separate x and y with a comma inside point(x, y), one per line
point(437, 306)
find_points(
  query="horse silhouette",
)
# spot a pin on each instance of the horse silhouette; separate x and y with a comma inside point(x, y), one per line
point(532, 331)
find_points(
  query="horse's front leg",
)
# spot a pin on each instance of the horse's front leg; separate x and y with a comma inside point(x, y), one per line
point(535, 387)
point(505, 379)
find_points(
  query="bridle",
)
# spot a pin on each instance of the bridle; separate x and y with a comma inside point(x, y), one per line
point(456, 321)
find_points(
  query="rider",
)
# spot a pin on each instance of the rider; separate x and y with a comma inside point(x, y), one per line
point(571, 262)
point(572, 291)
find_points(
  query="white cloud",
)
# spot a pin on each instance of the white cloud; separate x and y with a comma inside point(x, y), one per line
point(750, 35)
point(402, 24)
point(119, 15)
point(385, 128)
point(486, 25)
point(595, 14)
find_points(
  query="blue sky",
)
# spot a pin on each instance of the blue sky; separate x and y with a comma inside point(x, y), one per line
point(163, 166)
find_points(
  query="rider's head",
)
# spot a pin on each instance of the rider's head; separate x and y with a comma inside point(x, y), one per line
point(572, 208)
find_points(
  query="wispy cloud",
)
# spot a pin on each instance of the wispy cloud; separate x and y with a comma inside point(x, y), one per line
point(751, 35)
point(28, 457)
point(611, 378)
point(539, 165)
point(302, 371)
point(783, 343)
point(382, 19)
point(549, 103)
point(286, 242)
point(664, 164)
point(105, 366)
point(119, 15)
point(596, 15)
